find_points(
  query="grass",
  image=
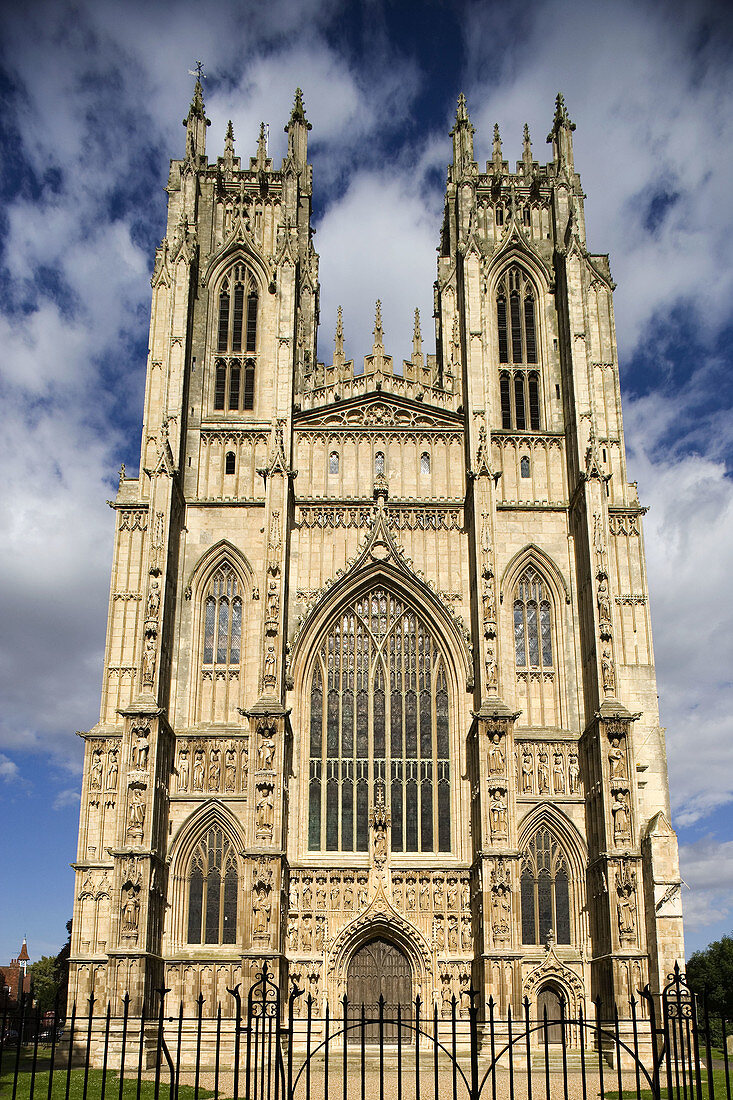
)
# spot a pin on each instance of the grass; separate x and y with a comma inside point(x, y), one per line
point(720, 1091)
point(95, 1080)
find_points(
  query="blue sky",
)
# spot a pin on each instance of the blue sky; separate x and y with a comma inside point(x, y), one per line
point(91, 100)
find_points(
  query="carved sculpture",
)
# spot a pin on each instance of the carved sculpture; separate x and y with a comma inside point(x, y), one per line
point(496, 755)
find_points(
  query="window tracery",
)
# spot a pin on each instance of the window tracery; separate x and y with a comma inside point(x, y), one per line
point(379, 719)
point(212, 890)
point(532, 623)
point(223, 619)
point(519, 385)
point(236, 335)
point(545, 890)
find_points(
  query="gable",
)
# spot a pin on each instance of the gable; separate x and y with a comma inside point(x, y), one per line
point(377, 410)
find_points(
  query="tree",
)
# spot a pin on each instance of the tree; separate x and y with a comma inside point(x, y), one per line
point(711, 971)
point(45, 980)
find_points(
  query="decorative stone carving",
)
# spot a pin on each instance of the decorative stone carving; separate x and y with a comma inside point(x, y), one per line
point(573, 774)
point(492, 672)
point(95, 771)
point(136, 810)
point(626, 903)
point(379, 820)
point(265, 746)
point(621, 821)
point(496, 755)
point(139, 747)
point(608, 672)
point(616, 760)
point(264, 811)
point(262, 879)
point(270, 673)
point(130, 911)
point(498, 825)
point(501, 902)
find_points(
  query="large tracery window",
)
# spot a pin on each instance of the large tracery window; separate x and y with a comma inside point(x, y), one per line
point(212, 890)
point(379, 726)
point(545, 890)
point(223, 619)
point(519, 387)
point(532, 623)
point(236, 335)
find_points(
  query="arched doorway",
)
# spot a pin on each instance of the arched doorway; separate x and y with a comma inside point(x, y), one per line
point(548, 1000)
point(379, 969)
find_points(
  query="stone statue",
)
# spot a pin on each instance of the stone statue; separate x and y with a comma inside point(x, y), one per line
point(112, 770)
point(270, 664)
point(573, 774)
point(130, 913)
point(265, 749)
point(198, 769)
point(410, 895)
point(184, 769)
point(293, 933)
point(604, 600)
point(527, 773)
point(496, 755)
point(265, 811)
point(620, 812)
point(153, 598)
point(139, 749)
point(543, 774)
point(438, 893)
point(149, 654)
point(617, 760)
point(293, 894)
point(497, 813)
point(136, 814)
point(230, 770)
point(558, 773)
point(95, 772)
point(607, 671)
point(214, 770)
point(348, 893)
point(424, 894)
point(491, 668)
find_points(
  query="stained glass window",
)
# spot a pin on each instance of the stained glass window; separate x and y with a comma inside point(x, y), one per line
point(384, 730)
point(223, 619)
point(532, 623)
point(212, 890)
point(545, 890)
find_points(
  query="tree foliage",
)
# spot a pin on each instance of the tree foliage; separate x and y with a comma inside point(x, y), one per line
point(45, 981)
point(711, 972)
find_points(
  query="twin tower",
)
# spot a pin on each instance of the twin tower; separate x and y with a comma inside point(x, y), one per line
point(379, 680)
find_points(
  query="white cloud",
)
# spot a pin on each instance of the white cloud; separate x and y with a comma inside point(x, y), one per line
point(707, 868)
point(66, 798)
point(8, 768)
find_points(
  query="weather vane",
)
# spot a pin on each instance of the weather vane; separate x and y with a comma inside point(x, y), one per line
point(198, 71)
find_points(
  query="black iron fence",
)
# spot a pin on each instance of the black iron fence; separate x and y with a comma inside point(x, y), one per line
point(265, 1048)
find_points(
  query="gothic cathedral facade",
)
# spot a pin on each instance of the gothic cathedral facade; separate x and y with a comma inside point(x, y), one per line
point(379, 686)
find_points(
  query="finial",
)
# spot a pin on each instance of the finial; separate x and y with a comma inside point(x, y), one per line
point(338, 353)
point(527, 153)
point(229, 138)
point(298, 112)
point(262, 146)
point(378, 332)
point(196, 120)
point(461, 109)
point(561, 113)
point(496, 150)
point(417, 356)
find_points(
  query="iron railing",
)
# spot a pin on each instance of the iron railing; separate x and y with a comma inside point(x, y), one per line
point(263, 1047)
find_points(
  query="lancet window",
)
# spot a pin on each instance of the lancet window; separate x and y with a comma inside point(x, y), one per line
point(532, 623)
point(223, 620)
point(519, 385)
point(212, 890)
point(545, 890)
point(236, 336)
point(379, 726)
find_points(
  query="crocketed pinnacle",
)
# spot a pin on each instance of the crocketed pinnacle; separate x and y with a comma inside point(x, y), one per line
point(229, 138)
point(378, 331)
point(562, 117)
point(338, 351)
point(298, 112)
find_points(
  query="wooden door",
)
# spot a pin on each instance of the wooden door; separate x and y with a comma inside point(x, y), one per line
point(549, 999)
point(379, 969)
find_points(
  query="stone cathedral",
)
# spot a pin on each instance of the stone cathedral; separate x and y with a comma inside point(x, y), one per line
point(379, 702)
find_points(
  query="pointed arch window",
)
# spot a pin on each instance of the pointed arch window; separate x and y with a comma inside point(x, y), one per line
point(533, 646)
point(223, 620)
point(545, 890)
point(516, 313)
point(379, 727)
point(236, 333)
point(212, 890)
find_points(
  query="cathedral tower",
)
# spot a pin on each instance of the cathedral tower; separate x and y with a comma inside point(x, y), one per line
point(379, 686)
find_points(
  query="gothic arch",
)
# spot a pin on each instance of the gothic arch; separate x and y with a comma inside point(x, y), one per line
point(534, 555)
point(517, 250)
point(233, 251)
point(547, 814)
point(553, 971)
point(210, 561)
point(379, 921)
point(381, 561)
point(181, 850)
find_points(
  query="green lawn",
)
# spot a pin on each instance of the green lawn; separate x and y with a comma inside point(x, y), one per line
point(76, 1082)
point(720, 1091)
